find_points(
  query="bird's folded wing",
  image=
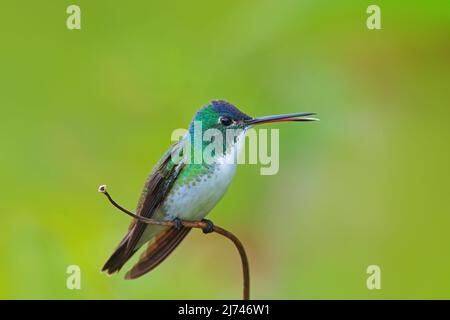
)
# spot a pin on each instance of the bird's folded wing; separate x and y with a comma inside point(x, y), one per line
point(155, 191)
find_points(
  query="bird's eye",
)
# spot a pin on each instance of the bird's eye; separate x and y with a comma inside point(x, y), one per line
point(225, 121)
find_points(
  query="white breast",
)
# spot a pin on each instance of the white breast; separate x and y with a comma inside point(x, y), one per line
point(195, 200)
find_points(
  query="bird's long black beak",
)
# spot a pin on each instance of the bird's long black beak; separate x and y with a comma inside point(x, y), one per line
point(282, 118)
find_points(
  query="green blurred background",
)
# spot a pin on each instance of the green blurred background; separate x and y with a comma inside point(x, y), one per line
point(369, 184)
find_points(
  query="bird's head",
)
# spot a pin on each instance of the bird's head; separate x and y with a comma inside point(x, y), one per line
point(222, 115)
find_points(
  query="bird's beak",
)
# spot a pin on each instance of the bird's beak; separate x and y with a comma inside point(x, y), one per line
point(282, 118)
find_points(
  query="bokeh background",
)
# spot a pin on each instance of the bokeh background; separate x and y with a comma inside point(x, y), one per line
point(369, 184)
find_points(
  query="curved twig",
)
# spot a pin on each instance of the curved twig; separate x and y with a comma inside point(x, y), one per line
point(199, 225)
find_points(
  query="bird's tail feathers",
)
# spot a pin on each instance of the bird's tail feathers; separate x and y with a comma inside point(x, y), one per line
point(119, 257)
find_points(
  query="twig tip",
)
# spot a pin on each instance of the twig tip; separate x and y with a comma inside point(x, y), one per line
point(102, 188)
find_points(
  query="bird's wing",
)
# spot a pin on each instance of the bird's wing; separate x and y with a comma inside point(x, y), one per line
point(156, 188)
point(155, 191)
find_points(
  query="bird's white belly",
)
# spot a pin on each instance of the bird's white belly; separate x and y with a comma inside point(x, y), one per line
point(194, 200)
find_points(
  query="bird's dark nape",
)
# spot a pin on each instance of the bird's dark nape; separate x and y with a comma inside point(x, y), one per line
point(224, 107)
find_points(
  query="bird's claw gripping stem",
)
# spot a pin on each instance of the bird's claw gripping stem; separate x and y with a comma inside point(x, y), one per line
point(209, 226)
point(177, 223)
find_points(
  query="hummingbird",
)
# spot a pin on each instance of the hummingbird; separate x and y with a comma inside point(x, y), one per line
point(183, 189)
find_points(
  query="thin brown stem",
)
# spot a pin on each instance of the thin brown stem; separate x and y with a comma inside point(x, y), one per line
point(199, 225)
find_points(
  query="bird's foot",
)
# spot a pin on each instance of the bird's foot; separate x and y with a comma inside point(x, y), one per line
point(209, 226)
point(177, 223)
